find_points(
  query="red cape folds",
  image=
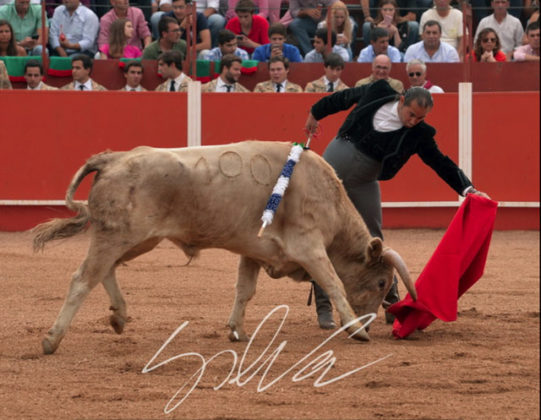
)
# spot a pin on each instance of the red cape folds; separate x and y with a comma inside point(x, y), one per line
point(457, 263)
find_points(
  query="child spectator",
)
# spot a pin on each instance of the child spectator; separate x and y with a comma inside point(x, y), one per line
point(343, 25)
point(320, 45)
point(330, 81)
point(120, 33)
point(277, 47)
point(252, 30)
point(8, 46)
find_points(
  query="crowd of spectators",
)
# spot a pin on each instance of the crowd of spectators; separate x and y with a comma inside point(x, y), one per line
point(273, 31)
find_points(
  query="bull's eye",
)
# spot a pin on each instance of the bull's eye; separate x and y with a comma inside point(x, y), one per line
point(381, 284)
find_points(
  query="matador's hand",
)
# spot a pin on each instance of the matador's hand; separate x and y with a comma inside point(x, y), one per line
point(311, 124)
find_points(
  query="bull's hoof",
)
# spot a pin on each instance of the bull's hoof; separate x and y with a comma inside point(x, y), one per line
point(236, 336)
point(48, 346)
point(117, 323)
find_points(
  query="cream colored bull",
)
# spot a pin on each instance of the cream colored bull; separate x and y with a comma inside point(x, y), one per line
point(213, 197)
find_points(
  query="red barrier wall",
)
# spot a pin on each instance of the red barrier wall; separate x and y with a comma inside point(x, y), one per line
point(47, 136)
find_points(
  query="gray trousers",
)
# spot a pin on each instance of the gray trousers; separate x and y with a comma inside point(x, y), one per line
point(359, 174)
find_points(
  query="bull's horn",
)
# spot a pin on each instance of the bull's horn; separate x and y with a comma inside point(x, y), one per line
point(392, 257)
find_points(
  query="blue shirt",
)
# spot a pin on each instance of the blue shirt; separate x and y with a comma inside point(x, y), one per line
point(367, 54)
point(81, 28)
point(216, 54)
point(444, 54)
point(291, 52)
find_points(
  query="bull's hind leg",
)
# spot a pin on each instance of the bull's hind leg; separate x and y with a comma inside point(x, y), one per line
point(245, 290)
point(98, 264)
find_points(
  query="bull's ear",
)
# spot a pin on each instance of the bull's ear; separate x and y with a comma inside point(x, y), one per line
point(375, 249)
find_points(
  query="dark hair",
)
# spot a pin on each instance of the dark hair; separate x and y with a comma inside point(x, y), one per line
point(131, 64)
point(224, 36)
point(377, 33)
point(245, 6)
point(163, 24)
point(334, 61)
point(432, 23)
point(277, 28)
point(379, 16)
point(170, 57)
point(280, 58)
point(85, 59)
point(478, 47)
point(12, 46)
point(420, 95)
point(532, 26)
point(321, 33)
point(33, 63)
point(229, 59)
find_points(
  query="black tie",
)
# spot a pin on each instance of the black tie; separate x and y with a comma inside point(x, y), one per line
point(133, 90)
point(172, 86)
point(82, 87)
point(278, 87)
point(228, 87)
point(331, 87)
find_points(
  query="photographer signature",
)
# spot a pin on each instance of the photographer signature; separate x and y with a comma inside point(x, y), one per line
point(240, 375)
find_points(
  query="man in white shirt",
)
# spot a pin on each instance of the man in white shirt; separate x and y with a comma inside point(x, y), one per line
point(508, 28)
point(33, 74)
point(74, 29)
point(170, 68)
point(450, 20)
point(133, 72)
point(81, 67)
point(431, 49)
point(228, 80)
point(416, 71)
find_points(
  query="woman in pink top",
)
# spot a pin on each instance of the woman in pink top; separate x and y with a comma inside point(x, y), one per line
point(487, 47)
point(120, 33)
point(252, 31)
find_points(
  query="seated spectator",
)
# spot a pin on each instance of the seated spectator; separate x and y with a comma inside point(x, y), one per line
point(169, 40)
point(170, 68)
point(402, 32)
point(481, 8)
point(330, 82)
point(227, 44)
point(209, 9)
point(277, 47)
point(268, 9)
point(278, 71)
point(133, 72)
point(74, 30)
point(306, 16)
point(81, 68)
point(120, 32)
point(8, 45)
point(122, 9)
point(416, 71)
point(450, 20)
point(159, 8)
point(534, 17)
point(379, 44)
point(381, 67)
point(182, 12)
point(320, 46)
point(343, 25)
point(487, 47)
point(431, 49)
point(5, 83)
point(508, 28)
point(25, 20)
point(252, 30)
point(228, 80)
point(530, 51)
point(33, 74)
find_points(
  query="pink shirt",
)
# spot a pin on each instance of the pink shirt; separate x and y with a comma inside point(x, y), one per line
point(259, 32)
point(129, 51)
point(135, 16)
point(520, 52)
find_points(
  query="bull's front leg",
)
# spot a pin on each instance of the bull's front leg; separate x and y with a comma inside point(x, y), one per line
point(322, 271)
point(245, 290)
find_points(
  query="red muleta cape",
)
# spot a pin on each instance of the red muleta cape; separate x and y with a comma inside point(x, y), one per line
point(457, 263)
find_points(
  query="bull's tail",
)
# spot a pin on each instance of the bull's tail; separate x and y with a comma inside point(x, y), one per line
point(65, 228)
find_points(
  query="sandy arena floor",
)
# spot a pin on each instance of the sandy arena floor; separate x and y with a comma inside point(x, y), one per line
point(483, 366)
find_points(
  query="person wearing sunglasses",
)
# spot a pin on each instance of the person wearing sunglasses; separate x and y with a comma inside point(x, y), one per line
point(487, 47)
point(416, 71)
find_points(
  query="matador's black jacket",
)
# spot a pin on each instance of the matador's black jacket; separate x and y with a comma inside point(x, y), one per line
point(392, 149)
